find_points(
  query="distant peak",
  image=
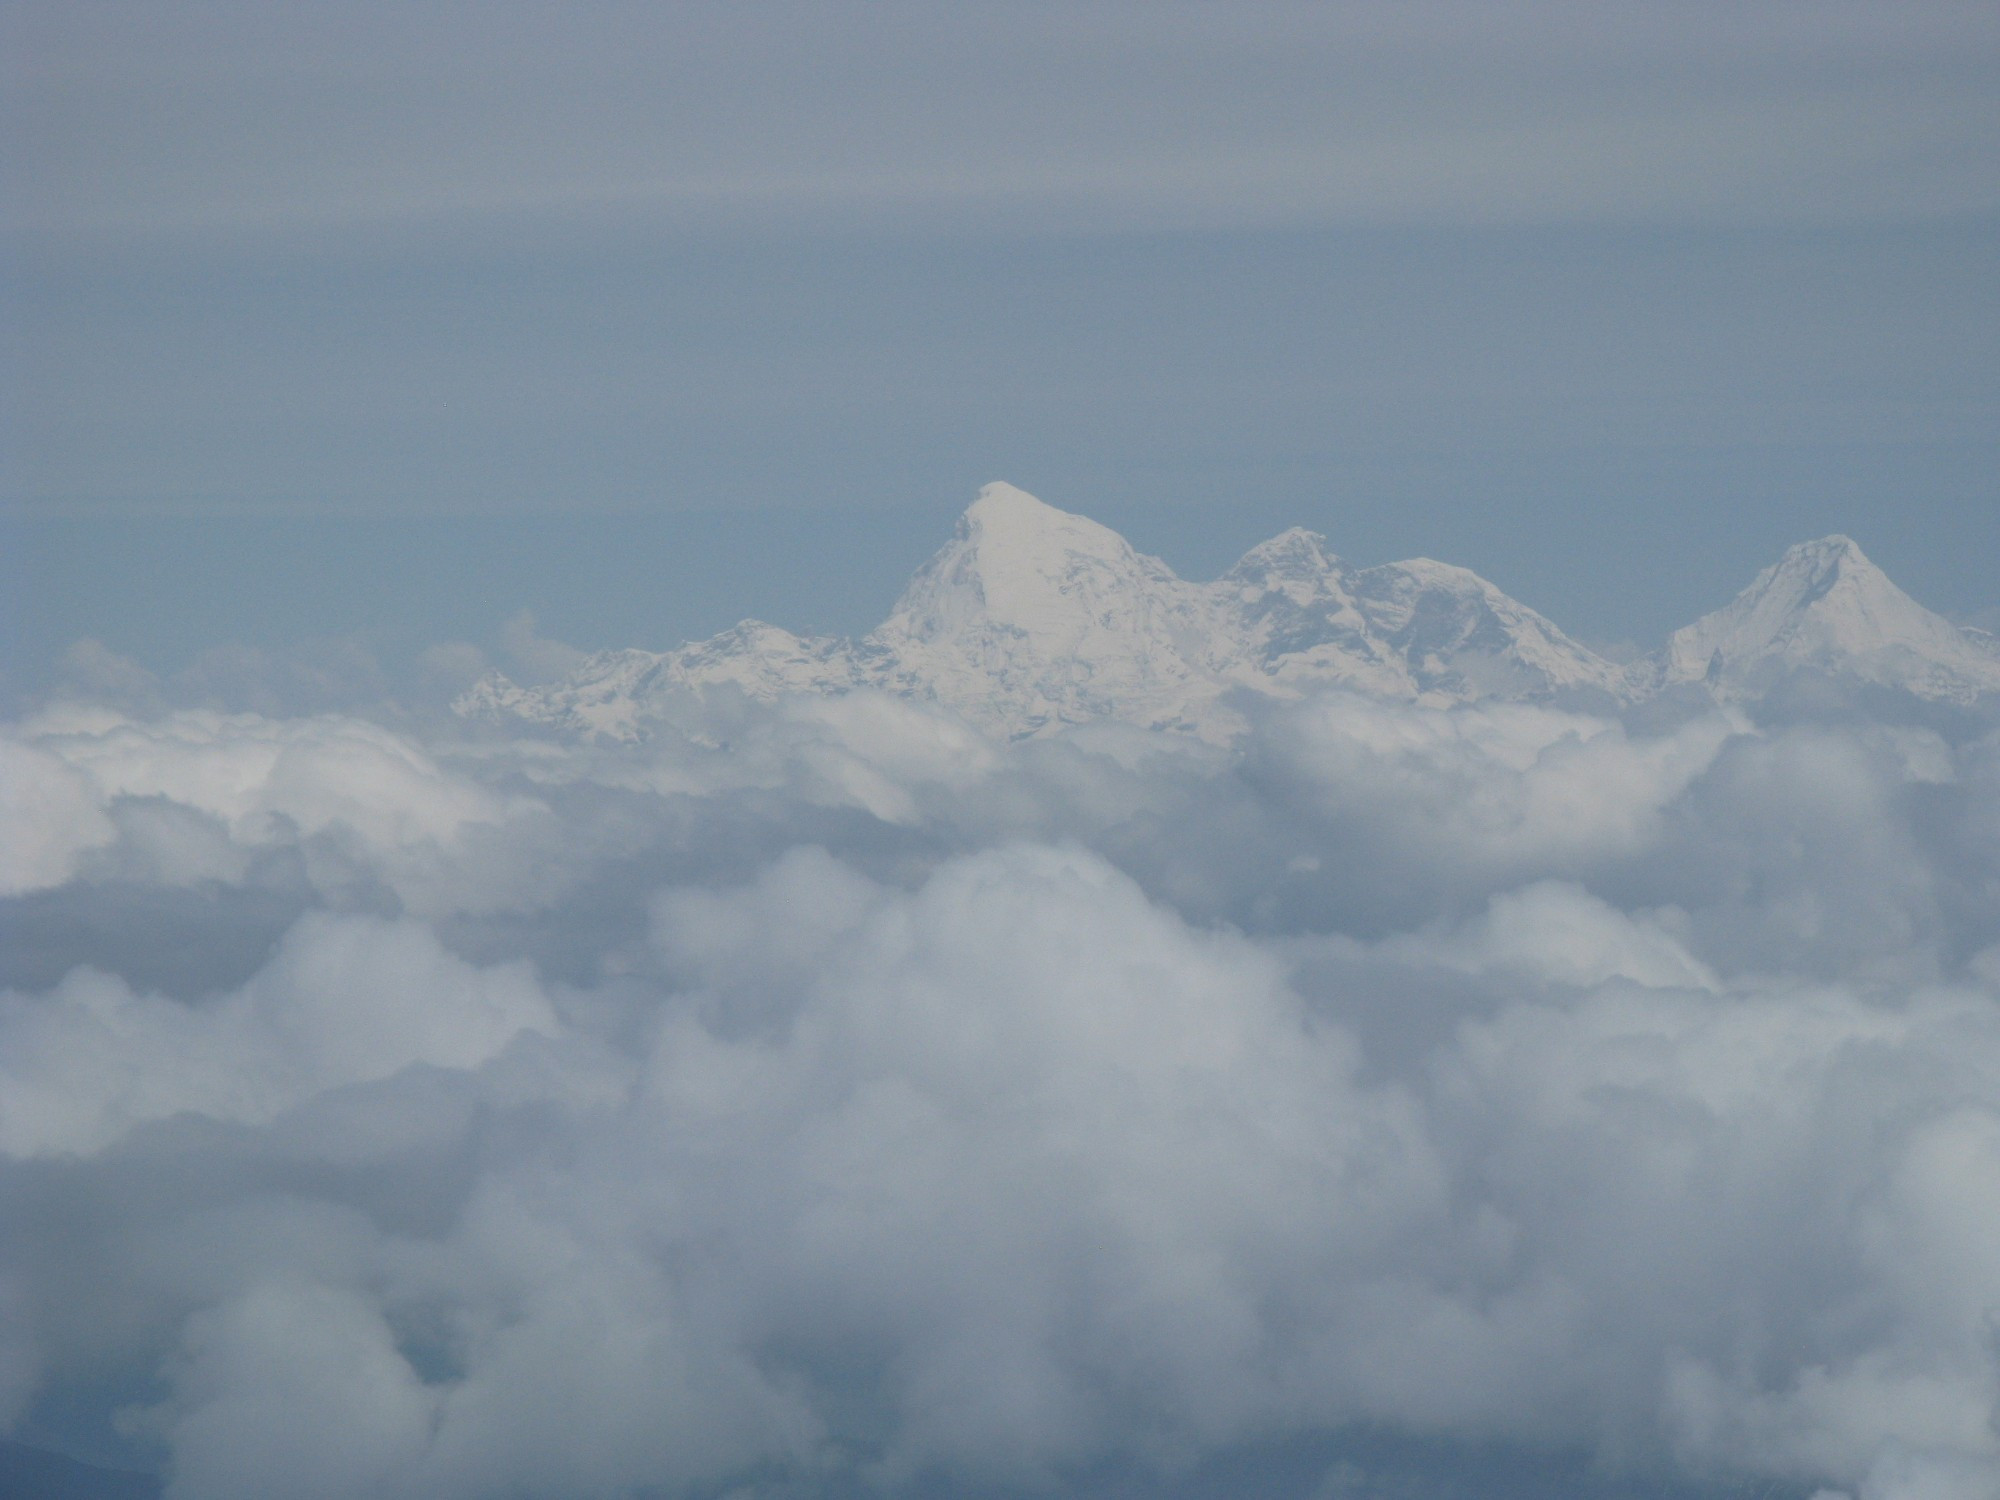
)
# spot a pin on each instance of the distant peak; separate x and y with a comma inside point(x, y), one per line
point(1808, 572)
point(1287, 551)
point(1431, 573)
point(1827, 554)
point(1002, 502)
point(1009, 522)
point(1290, 537)
point(1825, 605)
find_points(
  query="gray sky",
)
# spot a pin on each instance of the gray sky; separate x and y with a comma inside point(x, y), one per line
point(649, 317)
point(224, 119)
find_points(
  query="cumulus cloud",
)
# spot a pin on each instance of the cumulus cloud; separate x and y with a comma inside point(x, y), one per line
point(820, 1098)
point(343, 789)
point(535, 657)
point(343, 1000)
point(52, 818)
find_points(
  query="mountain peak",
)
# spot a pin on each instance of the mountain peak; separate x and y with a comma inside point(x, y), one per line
point(1823, 560)
point(1000, 500)
point(1026, 569)
point(1824, 605)
point(1294, 553)
point(1006, 527)
point(1030, 618)
point(1829, 574)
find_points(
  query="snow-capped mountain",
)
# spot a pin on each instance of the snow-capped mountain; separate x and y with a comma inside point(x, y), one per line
point(1031, 619)
point(1826, 608)
point(615, 693)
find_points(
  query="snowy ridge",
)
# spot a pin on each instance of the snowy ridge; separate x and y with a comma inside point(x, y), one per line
point(1031, 619)
point(616, 693)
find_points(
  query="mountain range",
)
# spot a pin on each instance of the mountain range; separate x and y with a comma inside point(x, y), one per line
point(1032, 619)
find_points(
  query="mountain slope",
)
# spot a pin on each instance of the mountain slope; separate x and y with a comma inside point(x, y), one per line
point(1030, 619)
point(1824, 607)
point(616, 693)
point(1463, 639)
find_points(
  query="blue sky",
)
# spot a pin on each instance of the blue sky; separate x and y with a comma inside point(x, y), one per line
point(390, 322)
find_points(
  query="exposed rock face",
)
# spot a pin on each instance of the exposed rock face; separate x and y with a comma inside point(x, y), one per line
point(1031, 619)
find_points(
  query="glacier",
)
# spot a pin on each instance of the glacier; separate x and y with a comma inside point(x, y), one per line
point(1032, 619)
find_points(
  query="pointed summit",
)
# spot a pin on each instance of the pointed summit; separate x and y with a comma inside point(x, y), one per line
point(1000, 503)
point(1824, 606)
point(1828, 551)
point(1034, 616)
point(1006, 529)
point(1808, 571)
point(1297, 556)
point(1024, 567)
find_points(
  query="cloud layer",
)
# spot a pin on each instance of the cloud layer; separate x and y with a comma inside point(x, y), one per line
point(818, 1097)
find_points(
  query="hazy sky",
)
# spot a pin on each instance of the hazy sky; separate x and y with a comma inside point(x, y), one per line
point(393, 320)
point(815, 1097)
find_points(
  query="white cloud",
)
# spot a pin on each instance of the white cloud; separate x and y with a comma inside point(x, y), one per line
point(819, 1094)
point(302, 1381)
point(535, 657)
point(247, 770)
point(364, 790)
point(343, 1000)
point(1558, 932)
point(48, 819)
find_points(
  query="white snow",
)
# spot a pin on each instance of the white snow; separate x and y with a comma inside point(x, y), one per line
point(1826, 607)
point(1031, 619)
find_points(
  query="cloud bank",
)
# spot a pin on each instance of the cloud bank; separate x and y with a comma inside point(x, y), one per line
point(819, 1098)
